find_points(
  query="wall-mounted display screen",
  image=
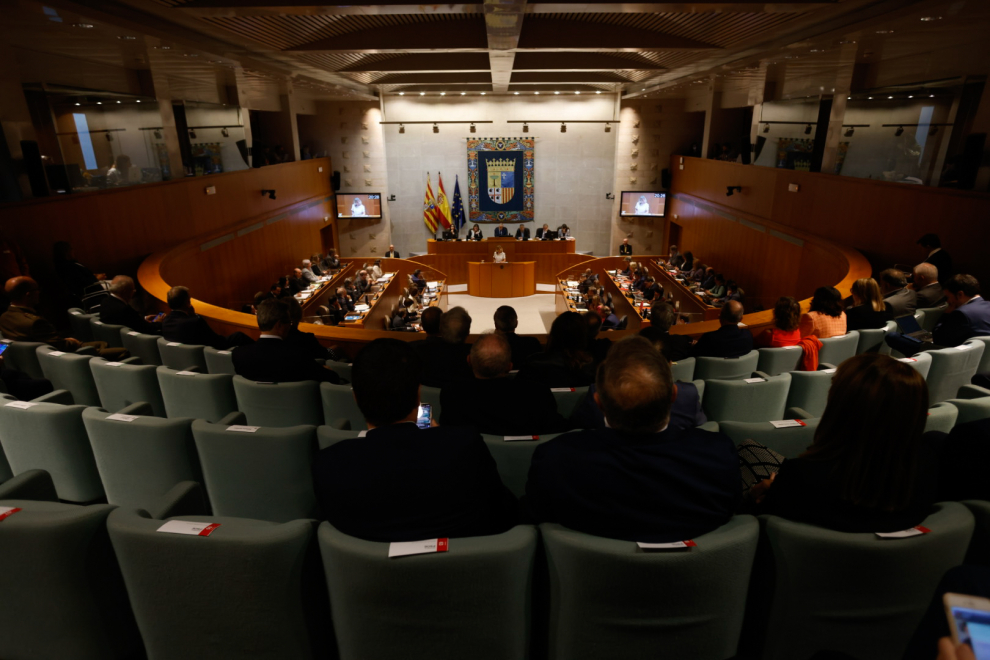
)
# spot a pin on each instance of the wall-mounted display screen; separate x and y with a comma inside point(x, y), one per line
point(643, 203)
point(359, 205)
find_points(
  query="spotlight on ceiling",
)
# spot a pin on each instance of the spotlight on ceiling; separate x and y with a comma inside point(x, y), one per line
point(608, 127)
point(192, 133)
point(270, 193)
point(899, 132)
point(850, 132)
point(807, 129)
point(158, 135)
point(766, 128)
point(422, 93)
point(402, 129)
point(598, 92)
point(402, 93)
point(483, 93)
point(515, 93)
point(525, 128)
point(436, 129)
point(463, 93)
point(443, 93)
point(537, 93)
point(474, 129)
point(224, 132)
point(556, 92)
point(563, 127)
point(730, 190)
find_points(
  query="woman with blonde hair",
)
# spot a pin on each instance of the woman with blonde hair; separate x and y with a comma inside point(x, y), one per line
point(499, 255)
point(868, 311)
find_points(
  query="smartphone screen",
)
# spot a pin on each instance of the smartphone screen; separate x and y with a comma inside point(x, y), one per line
point(423, 418)
point(3, 347)
point(971, 625)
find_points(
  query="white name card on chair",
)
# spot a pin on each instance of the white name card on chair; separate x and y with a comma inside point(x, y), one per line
point(514, 438)
point(122, 418)
point(115, 364)
point(676, 545)
point(964, 347)
point(186, 373)
point(238, 428)
point(97, 322)
point(223, 352)
point(791, 347)
point(75, 313)
point(133, 334)
point(174, 343)
point(754, 380)
point(188, 527)
point(21, 404)
point(788, 423)
point(904, 534)
point(417, 547)
point(56, 353)
point(562, 389)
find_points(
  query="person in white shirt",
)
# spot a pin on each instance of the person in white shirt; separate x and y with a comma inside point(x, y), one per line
point(376, 270)
point(499, 256)
point(307, 272)
point(642, 206)
point(357, 208)
point(563, 232)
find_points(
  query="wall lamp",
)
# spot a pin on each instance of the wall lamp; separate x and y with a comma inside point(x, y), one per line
point(270, 193)
point(730, 190)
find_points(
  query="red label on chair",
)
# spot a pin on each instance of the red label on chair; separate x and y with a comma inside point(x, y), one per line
point(8, 511)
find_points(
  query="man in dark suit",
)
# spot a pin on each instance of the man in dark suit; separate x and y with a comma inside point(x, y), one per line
point(901, 301)
point(522, 234)
point(444, 356)
point(296, 283)
point(937, 256)
point(116, 309)
point(926, 286)
point(401, 482)
point(185, 326)
point(501, 231)
point(967, 316)
point(271, 359)
point(729, 341)
point(652, 290)
point(506, 322)
point(625, 250)
point(507, 406)
point(544, 233)
point(638, 480)
point(673, 347)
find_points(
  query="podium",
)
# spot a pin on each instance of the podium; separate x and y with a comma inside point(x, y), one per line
point(508, 280)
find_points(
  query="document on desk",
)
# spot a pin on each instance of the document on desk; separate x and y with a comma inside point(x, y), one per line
point(432, 285)
point(572, 284)
point(362, 308)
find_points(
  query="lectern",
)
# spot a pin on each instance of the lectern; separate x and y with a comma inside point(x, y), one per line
point(507, 280)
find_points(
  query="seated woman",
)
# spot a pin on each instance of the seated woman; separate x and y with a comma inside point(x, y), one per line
point(826, 318)
point(786, 318)
point(698, 273)
point(475, 234)
point(499, 256)
point(566, 362)
point(688, 265)
point(718, 290)
point(863, 471)
point(869, 311)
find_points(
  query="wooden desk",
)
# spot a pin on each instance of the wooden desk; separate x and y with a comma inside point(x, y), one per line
point(509, 280)
point(451, 257)
point(691, 304)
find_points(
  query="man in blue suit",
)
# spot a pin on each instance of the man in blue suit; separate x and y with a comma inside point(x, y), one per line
point(501, 231)
point(967, 316)
point(639, 479)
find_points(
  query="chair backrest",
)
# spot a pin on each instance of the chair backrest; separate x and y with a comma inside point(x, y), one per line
point(68, 371)
point(567, 402)
point(218, 362)
point(142, 345)
point(108, 332)
point(683, 369)
point(279, 404)
point(342, 369)
point(264, 474)
point(237, 593)
point(870, 340)
point(339, 404)
point(932, 315)
point(921, 362)
point(623, 323)
point(604, 594)
point(473, 600)
point(879, 585)
point(201, 396)
point(971, 410)
point(63, 596)
point(985, 360)
point(836, 350)
point(51, 437)
point(23, 356)
point(142, 459)
point(706, 368)
point(181, 356)
point(809, 391)
point(789, 442)
point(513, 458)
point(740, 401)
point(775, 361)
point(951, 369)
point(941, 417)
point(79, 322)
point(328, 435)
point(885, 348)
point(6, 473)
point(120, 385)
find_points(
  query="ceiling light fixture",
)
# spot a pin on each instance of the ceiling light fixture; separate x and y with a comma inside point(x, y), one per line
point(474, 129)
point(78, 103)
point(807, 129)
point(537, 93)
point(118, 101)
point(850, 132)
point(577, 92)
point(402, 93)
point(99, 103)
point(483, 93)
point(849, 98)
point(436, 129)
point(869, 98)
point(598, 92)
point(422, 93)
point(890, 97)
point(402, 129)
point(463, 93)
point(899, 132)
point(931, 96)
point(138, 101)
point(608, 127)
point(563, 127)
point(525, 128)
point(910, 96)
point(515, 93)
point(443, 93)
point(766, 128)
point(556, 92)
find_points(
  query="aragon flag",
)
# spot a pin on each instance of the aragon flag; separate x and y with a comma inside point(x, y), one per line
point(430, 207)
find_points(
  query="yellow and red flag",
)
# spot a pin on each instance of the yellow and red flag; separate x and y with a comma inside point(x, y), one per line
point(443, 206)
point(430, 207)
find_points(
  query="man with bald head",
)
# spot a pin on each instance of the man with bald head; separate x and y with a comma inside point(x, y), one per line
point(638, 479)
point(729, 341)
point(926, 286)
point(116, 308)
point(491, 402)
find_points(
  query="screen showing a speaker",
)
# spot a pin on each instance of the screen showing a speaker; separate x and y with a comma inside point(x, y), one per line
point(359, 205)
point(643, 203)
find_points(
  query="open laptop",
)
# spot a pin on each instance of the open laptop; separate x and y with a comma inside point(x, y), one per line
point(910, 328)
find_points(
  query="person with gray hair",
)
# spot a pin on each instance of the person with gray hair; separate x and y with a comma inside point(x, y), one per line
point(927, 289)
point(307, 272)
point(662, 318)
point(445, 357)
point(639, 478)
point(901, 300)
point(185, 326)
point(117, 309)
point(494, 403)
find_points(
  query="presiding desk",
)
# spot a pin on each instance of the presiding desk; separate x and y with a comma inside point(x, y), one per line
point(452, 257)
point(515, 279)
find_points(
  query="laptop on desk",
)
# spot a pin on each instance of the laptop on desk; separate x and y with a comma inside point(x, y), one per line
point(910, 328)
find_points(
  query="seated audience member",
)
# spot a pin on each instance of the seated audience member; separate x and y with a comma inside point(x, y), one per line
point(418, 279)
point(718, 290)
point(273, 360)
point(563, 232)
point(685, 413)
point(652, 290)
point(729, 341)
point(625, 249)
point(732, 292)
point(116, 309)
point(865, 470)
point(967, 316)
point(566, 361)
point(475, 234)
point(868, 310)
point(429, 321)
point(445, 356)
point(926, 286)
point(185, 326)
point(673, 347)
point(494, 403)
point(307, 272)
point(786, 318)
point(261, 297)
point(342, 301)
point(609, 320)
point(597, 346)
point(901, 300)
point(21, 386)
point(349, 288)
point(331, 262)
point(78, 279)
point(314, 264)
point(698, 273)
point(825, 318)
point(22, 323)
point(306, 342)
point(627, 271)
point(937, 257)
point(376, 270)
point(506, 322)
point(398, 483)
point(708, 281)
point(400, 319)
point(281, 289)
point(675, 258)
point(295, 283)
point(688, 265)
point(638, 479)
point(362, 285)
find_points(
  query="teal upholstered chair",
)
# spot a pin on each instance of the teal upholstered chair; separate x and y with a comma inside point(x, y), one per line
point(941, 417)
point(683, 370)
point(871, 340)
point(774, 361)
point(789, 442)
point(740, 401)
point(707, 368)
point(23, 356)
point(218, 361)
point(142, 346)
point(179, 356)
point(922, 363)
point(79, 321)
point(472, 601)
point(107, 332)
point(836, 350)
point(973, 404)
point(342, 369)
point(610, 598)
point(340, 409)
point(809, 391)
point(121, 385)
point(279, 404)
point(69, 371)
point(513, 458)
point(952, 368)
point(932, 315)
point(567, 402)
point(328, 435)
point(201, 396)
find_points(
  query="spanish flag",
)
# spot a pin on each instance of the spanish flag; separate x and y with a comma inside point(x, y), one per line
point(442, 204)
point(430, 207)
